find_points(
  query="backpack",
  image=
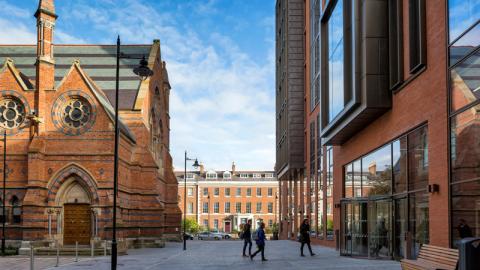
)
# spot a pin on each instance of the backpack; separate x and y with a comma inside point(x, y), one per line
point(255, 235)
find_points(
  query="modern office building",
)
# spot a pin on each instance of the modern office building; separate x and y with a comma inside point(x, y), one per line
point(391, 117)
point(222, 200)
point(56, 104)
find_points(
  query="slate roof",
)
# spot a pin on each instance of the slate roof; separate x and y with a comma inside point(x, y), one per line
point(98, 62)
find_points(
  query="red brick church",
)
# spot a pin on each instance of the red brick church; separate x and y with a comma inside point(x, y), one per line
point(56, 105)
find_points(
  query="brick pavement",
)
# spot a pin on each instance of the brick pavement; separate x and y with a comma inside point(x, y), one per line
point(213, 255)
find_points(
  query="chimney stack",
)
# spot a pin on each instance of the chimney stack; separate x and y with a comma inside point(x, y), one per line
point(233, 168)
point(202, 168)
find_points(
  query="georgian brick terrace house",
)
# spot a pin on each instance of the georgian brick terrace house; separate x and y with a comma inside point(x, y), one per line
point(56, 104)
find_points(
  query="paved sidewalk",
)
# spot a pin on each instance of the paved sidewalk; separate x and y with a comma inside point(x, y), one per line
point(216, 255)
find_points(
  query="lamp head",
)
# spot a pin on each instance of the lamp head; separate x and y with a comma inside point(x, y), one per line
point(195, 164)
point(143, 71)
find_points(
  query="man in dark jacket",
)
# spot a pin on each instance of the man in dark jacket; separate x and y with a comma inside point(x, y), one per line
point(305, 237)
point(260, 241)
point(247, 238)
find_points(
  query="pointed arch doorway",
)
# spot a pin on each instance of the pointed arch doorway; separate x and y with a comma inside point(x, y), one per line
point(77, 212)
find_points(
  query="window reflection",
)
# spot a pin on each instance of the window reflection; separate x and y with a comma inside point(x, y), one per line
point(465, 145)
point(465, 82)
point(465, 210)
point(400, 165)
point(465, 45)
point(335, 62)
point(418, 221)
point(377, 168)
point(357, 178)
point(462, 14)
point(349, 181)
point(418, 159)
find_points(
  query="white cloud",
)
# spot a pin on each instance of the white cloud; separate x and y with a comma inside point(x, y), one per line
point(16, 33)
point(222, 102)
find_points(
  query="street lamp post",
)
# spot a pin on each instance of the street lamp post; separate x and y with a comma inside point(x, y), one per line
point(143, 71)
point(195, 165)
point(4, 188)
point(208, 225)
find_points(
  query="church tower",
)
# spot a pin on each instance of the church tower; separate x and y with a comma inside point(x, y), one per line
point(45, 73)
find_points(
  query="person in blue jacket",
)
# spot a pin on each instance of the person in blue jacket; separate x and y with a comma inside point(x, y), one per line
point(260, 241)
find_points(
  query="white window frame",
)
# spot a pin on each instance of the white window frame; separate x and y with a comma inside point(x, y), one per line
point(244, 175)
point(189, 192)
point(269, 175)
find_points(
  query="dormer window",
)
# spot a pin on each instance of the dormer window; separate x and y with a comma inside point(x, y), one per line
point(190, 176)
point(227, 175)
point(211, 175)
point(257, 175)
point(244, 175)
point(269, 175)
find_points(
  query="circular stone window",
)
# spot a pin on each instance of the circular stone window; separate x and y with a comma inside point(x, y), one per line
point(76, 112)
point(73, 113)
point(12, 112)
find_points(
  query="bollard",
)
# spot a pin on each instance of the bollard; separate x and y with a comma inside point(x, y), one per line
point(31, 258)
point(58, 254)
point(76, 251)
point(105, 249)
point(91, 248)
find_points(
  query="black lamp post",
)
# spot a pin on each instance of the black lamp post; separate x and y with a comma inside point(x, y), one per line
point(4, 188)
point(195, 165)
point(143, 71)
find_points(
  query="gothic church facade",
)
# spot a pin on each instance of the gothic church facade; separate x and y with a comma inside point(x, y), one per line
point(56, 106)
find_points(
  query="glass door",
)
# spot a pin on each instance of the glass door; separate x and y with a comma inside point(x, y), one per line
point(360, 228)
point(400, 228)
point(379, 229)
point(346, 238)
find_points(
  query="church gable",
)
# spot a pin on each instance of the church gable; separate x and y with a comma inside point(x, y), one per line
point(10, 73)
point(80, 105)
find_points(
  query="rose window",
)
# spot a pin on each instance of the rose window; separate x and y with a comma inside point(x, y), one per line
point(76, 112)
point(12, 113)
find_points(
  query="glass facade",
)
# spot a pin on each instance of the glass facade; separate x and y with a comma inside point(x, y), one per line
point(385, 206)
point(464, 87)
point(335, 62)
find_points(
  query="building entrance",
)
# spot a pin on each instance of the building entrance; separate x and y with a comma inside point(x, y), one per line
point(77, 224)
point(367, 228)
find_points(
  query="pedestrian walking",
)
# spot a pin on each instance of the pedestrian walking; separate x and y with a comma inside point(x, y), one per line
point(247, 238)
point(259, 238)
point(305, 237)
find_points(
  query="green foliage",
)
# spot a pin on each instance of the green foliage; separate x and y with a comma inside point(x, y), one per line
point(329, 225)
point(191, 226)
point(275, 228)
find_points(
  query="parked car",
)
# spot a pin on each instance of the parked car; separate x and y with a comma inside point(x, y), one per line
point(226, 235)
point(209, 236)
point(188, 236)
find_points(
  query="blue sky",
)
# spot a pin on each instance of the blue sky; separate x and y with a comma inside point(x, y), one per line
point(220, 56)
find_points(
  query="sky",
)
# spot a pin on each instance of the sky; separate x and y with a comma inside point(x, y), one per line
point(220, 57)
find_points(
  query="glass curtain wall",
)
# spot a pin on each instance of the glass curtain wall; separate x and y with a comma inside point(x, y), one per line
point(464, 87)
point(336, 57)
point(385, 200)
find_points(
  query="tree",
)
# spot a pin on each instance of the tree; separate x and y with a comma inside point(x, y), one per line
point(191, 226)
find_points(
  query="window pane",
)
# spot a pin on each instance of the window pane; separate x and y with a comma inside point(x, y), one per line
point(465, 210)
point(400, 165)
point(462, 14)
point(335, 62)
point(465, 82)
point(465, 145)
point(349, 180)
point(357, 178)
point(418, 159)
point(418, 220)
point(465, 45)
point(377, 168)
